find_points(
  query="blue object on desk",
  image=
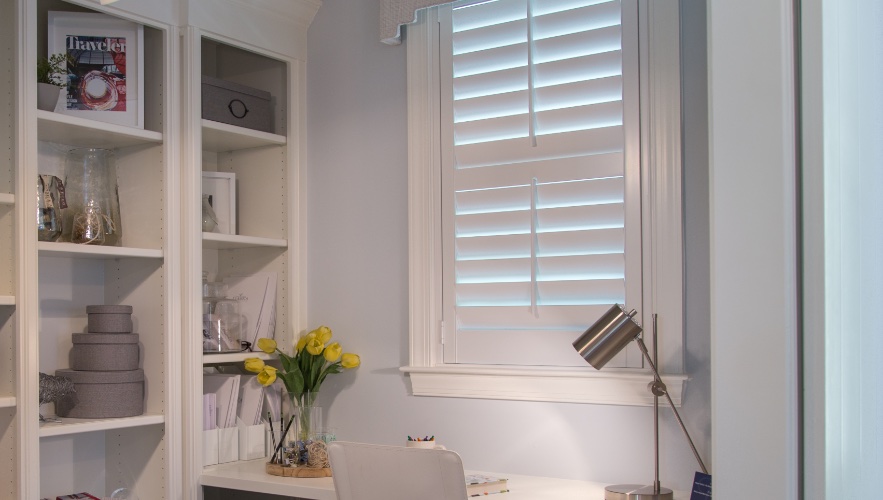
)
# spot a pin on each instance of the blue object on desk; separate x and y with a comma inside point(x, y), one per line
point(701, 487)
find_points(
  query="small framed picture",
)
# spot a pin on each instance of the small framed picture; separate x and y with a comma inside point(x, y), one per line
point(105, 66)
point(221, 189)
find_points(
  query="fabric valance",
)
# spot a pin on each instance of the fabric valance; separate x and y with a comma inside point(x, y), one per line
point(395, 13)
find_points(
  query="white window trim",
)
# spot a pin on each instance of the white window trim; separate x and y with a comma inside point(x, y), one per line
point(662, 207)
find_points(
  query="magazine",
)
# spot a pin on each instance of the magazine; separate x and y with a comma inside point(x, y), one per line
point(96, 73)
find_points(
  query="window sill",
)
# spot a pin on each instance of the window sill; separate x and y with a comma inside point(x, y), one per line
point(611, 387)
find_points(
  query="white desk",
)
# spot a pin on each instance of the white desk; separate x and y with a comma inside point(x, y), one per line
point(250, 476)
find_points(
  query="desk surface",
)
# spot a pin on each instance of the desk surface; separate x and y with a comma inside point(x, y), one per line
point(250, 476)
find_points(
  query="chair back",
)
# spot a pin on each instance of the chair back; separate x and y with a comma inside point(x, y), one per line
point(364, 471)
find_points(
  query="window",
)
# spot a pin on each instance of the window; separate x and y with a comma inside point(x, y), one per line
point(532, 210)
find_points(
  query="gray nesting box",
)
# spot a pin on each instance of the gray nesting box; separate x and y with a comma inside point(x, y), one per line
point(105, 351)
point(109, 319)
point(102, 394)
point(236, 104)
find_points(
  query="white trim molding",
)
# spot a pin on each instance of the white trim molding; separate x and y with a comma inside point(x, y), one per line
point(612, 387)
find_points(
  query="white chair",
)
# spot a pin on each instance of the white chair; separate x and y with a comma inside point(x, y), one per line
point(375, 472)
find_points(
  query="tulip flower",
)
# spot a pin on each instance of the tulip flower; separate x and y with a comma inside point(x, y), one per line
point(332, 352)
point(323, 333)
point(315, 346)
point(267, 345)
point(267, 376)
point(254, 365)
point(350, 360)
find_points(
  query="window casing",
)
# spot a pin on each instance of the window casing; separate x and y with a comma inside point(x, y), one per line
point(444, 366)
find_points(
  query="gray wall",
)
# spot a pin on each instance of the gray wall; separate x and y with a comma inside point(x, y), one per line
point(358, 278)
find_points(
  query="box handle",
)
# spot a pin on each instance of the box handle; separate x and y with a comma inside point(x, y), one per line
point(235, 110)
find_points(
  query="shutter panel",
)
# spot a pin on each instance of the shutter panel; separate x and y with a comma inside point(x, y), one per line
point(535, 183)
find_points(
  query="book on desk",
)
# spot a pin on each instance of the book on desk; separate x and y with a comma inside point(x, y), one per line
point(483, 484)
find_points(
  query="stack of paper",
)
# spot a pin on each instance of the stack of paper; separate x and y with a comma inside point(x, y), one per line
point(226, 390)
point(251, 400)
point(256, 295)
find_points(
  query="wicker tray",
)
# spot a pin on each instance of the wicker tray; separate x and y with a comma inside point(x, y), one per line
point(281, 470)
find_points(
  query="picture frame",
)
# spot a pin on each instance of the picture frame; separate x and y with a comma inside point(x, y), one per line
point(105, 67)
point(221, 186)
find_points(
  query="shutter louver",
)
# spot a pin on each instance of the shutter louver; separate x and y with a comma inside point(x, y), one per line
point(537, 184)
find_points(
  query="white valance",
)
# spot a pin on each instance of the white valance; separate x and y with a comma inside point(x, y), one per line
point(395, 13)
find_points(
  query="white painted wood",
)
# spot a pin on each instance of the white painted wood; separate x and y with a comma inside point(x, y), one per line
point(7, 199)
point(219, 137)
point(78, 131)
point(7, 300)
point(220, 241)
point(7, 402)
point(753, 254)
point(233, 357)
point(283, 23)
point(27, 311)
point(73, 250)
point(271, 196)
point(250, 476)
point(615, 387)
point(81, 425)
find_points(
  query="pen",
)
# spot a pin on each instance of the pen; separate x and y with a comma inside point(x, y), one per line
point(272, 435)
point(279, 446)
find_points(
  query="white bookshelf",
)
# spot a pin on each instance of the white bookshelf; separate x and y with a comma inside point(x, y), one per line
point(226, 358)
point(7, 199)
point(7, 300)
point(77, 131)
point(7, 402)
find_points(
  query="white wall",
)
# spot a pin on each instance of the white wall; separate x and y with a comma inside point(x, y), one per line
point(357, 281)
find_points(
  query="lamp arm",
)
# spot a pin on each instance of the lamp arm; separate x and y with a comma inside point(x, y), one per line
point(646, 354)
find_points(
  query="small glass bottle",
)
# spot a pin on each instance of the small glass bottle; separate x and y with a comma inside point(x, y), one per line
point(209, 219)
point(221, 320)
point(50, 201)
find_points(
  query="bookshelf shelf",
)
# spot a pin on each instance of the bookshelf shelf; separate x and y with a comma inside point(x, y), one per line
point(77, 131)
point(219, 241)
point(220, 137)
point(51, 249)
point(69, 426)
point(7, 300)
point(7, 402)
point(233, 357)
point(7, 199)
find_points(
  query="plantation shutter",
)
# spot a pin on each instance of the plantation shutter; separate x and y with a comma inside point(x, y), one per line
point(534, 179)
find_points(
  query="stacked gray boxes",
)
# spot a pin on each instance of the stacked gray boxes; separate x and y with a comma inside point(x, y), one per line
point(104, 367)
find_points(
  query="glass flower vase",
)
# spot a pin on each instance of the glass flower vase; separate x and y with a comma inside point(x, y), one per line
point(305, 419)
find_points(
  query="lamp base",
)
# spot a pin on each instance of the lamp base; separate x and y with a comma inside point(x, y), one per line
point(636, 492)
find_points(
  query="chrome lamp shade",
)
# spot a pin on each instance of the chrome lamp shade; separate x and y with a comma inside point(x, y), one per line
point(609, 335)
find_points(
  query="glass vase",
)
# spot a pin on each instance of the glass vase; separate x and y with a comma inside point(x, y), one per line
point(306, 421)
point(92, 216)
point(221, 320)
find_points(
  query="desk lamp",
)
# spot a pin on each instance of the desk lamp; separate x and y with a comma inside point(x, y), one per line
point(598, 345)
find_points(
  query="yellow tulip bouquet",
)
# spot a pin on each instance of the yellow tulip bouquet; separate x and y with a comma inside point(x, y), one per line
point(302, 374)
point(315, 358)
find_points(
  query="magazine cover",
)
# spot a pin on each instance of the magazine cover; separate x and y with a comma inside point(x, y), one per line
point(104, 57)
point(96, 73)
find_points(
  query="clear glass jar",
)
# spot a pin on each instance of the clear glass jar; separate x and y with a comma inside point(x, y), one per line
point(92, 215)
point(221, 320)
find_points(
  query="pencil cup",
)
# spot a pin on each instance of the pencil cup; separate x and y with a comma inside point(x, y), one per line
point(426, 445)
